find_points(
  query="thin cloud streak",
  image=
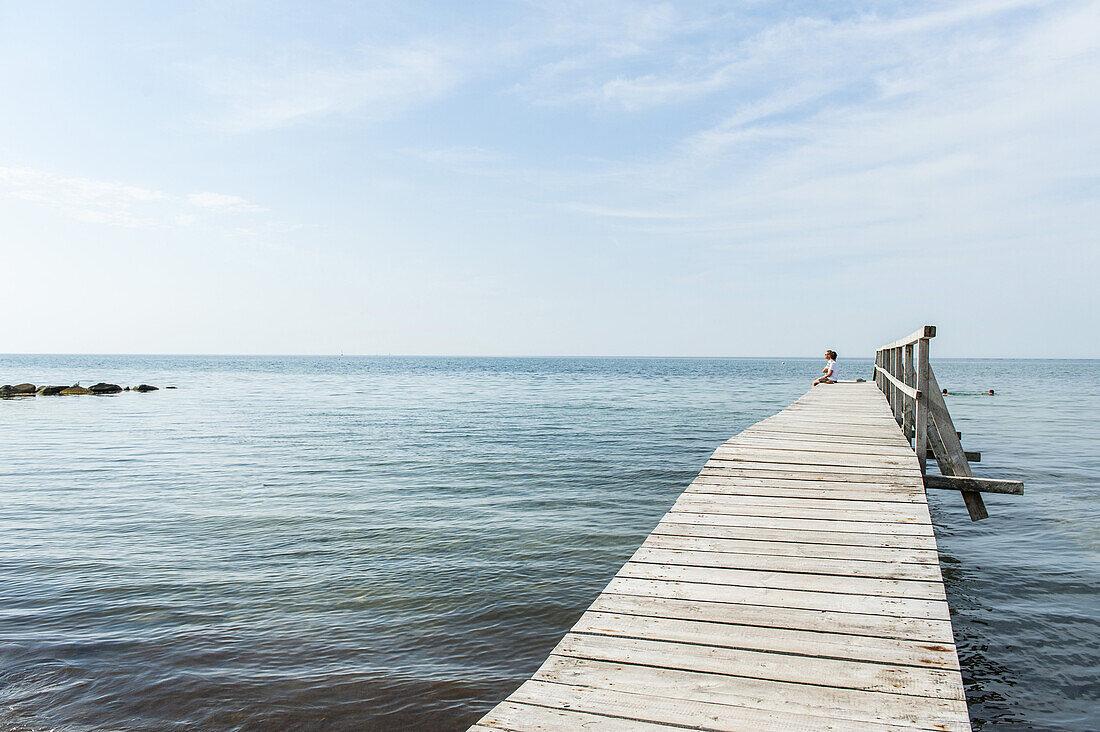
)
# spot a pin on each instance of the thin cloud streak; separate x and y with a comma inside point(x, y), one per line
point(112, 203)
point(307, 85)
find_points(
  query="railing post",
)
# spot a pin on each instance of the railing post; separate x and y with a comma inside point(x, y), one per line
point(910, 378)
point(920, 407)
point(887, 387)
point(899, 397)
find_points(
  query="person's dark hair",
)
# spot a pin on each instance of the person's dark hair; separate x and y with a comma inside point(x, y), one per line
point(831, 354)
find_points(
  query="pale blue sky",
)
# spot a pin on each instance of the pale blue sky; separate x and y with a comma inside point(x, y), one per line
point(545, 178)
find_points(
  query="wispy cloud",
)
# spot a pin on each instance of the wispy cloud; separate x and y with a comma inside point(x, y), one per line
point(301, 84)
point(112, 203)
point(934, 128)
point(222, 202)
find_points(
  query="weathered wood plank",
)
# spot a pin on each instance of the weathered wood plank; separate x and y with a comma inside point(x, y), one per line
point(805, 524)
point(981, 485)
point(904, 607)
point(840, 704)
point(715, 504)
point(866, 539)
point(654, 553)
point(518, 717)
point(784, 640)
point(718, 501)
point(700, 715)
point(817, 670)
point(733, 577)
point(771, 550)
point(930, 631)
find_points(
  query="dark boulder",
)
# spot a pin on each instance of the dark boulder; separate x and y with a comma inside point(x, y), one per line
point(171, 387)
point(102, 388)
point(7, 390)
point(145, 387)
point(51, 390)
point(74, 389)
point(23, 388)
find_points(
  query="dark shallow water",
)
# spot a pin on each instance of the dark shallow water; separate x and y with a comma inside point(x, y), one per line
point(361, 543)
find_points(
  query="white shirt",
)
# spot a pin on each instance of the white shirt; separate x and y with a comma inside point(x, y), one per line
point(833, 374)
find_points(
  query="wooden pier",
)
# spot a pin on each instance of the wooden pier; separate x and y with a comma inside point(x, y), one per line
point(795, 585)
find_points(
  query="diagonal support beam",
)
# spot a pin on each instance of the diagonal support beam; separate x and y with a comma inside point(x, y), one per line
point(945, 445)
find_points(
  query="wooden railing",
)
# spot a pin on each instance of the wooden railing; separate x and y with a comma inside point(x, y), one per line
point(904, 374)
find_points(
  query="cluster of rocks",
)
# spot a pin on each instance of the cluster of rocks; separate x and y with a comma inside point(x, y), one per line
point(7, 390)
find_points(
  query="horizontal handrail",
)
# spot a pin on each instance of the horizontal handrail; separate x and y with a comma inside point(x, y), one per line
point(928, 331)
point(901, 385)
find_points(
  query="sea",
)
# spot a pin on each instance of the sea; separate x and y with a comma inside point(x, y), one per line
point(337, 543)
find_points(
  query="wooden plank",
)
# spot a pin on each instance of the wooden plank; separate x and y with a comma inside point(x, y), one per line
point(905, 607)
point(717, 504)
point(864, 539)
point(930, 631)
point(811, 472)
point(763, 694)
point(888, 678)
point(971, 457)
point(699, 715)
point(984, 485)
point(764, 551)
point(838, 566)
point(765, 431)
point(797, 524)
point(719, 501)
point(784, 640)
point(872, 488)
point(718, 485)
point(746, 453)
point(822, 446)
point(517, 717)
point(839, 584)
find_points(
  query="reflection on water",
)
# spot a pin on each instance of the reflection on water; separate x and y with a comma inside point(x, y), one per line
point(329, 544)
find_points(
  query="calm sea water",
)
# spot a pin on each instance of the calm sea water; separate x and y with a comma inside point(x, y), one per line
point(395, 543)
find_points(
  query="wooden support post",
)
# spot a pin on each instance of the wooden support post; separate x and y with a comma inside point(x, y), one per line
point(920, 408)
point(899, 397)
point(910, 378)
point(947, 448)
point(890, 387)
point(880, 381)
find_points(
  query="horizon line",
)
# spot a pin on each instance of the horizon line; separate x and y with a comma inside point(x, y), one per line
point(530, 356)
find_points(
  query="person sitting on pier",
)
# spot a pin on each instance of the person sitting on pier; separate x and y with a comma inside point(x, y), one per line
point(830, 371)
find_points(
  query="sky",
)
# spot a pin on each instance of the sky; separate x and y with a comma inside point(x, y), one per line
point(550, 177)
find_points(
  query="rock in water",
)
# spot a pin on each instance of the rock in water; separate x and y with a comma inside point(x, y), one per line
point(22, 389)
point(102, 388)
point(5, 390)
point(74, 389)
point(50, 390)
point(145, 387)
